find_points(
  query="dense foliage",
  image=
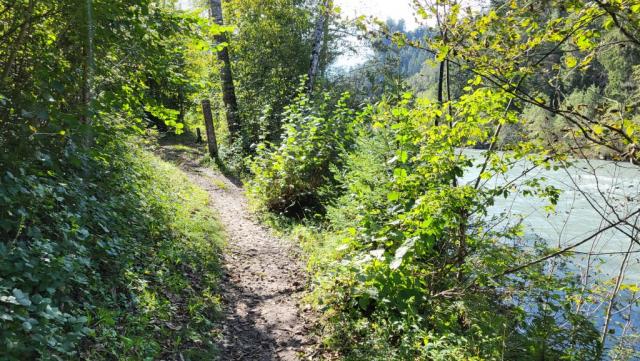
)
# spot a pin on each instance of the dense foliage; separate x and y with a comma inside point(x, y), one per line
point(270, 50)
point(106, 252)
point(289, 177)
point(422, 263)
point(95, 262)
point(410, 262)
point(393, 172)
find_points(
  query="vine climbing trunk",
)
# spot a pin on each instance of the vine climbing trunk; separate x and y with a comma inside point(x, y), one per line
point(226, 74)
point(319, 35)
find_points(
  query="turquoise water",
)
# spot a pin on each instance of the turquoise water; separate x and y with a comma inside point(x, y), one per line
point(586, 186)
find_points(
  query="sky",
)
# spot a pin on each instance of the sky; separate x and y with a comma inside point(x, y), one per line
point(382, 9)
point(184, 4)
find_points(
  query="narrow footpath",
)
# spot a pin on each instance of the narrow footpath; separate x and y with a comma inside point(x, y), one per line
point(263, 277)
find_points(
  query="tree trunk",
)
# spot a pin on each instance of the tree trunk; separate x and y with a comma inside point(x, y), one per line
point(88, 66)
point(319, 35)
point(211, 131)
point(226, 75)
point(324, 54)
point(13, 51)
point(440, 88)
point(614, 294)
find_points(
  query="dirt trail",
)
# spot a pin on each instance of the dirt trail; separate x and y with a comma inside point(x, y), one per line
point(263, 277)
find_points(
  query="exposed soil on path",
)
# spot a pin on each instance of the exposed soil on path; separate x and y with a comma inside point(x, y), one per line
point(263, 276)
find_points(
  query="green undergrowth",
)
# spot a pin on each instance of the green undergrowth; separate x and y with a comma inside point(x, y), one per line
point(109, 254)
point(400, 269)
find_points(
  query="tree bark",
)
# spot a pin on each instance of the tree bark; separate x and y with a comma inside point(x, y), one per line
point(440, 88)
point(614, 294)
point(88, 66)
point(226, 75)
point(211, 132)
point(13, 51)
point(319, 35)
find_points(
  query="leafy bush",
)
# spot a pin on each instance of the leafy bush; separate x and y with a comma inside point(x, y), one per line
point(288, 177)
point(417, 275)
point(363, 181)
point(105, 254)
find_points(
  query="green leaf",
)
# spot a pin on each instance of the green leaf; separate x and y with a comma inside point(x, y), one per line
point(571, 61)
point(9, 299)
point(608, 23)
point(404, 156)
point(598, 129)
point(21, 297)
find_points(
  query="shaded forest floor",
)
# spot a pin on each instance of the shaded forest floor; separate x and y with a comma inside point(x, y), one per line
point(263, 276)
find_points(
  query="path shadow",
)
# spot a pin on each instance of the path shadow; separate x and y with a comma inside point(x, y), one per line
point(247, 334)
point(174, 148)
point(245, 341)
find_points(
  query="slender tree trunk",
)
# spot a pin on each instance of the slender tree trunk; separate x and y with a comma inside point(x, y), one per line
point(440, 17)
point(226, 75)
point(211, 131)
point(18, 43)
point(324, 54)
point(319, 35)
point(440, 88)
point(614, 294)
point(88, 66)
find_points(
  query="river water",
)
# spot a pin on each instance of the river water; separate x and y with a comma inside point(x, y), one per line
point(586, 186)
